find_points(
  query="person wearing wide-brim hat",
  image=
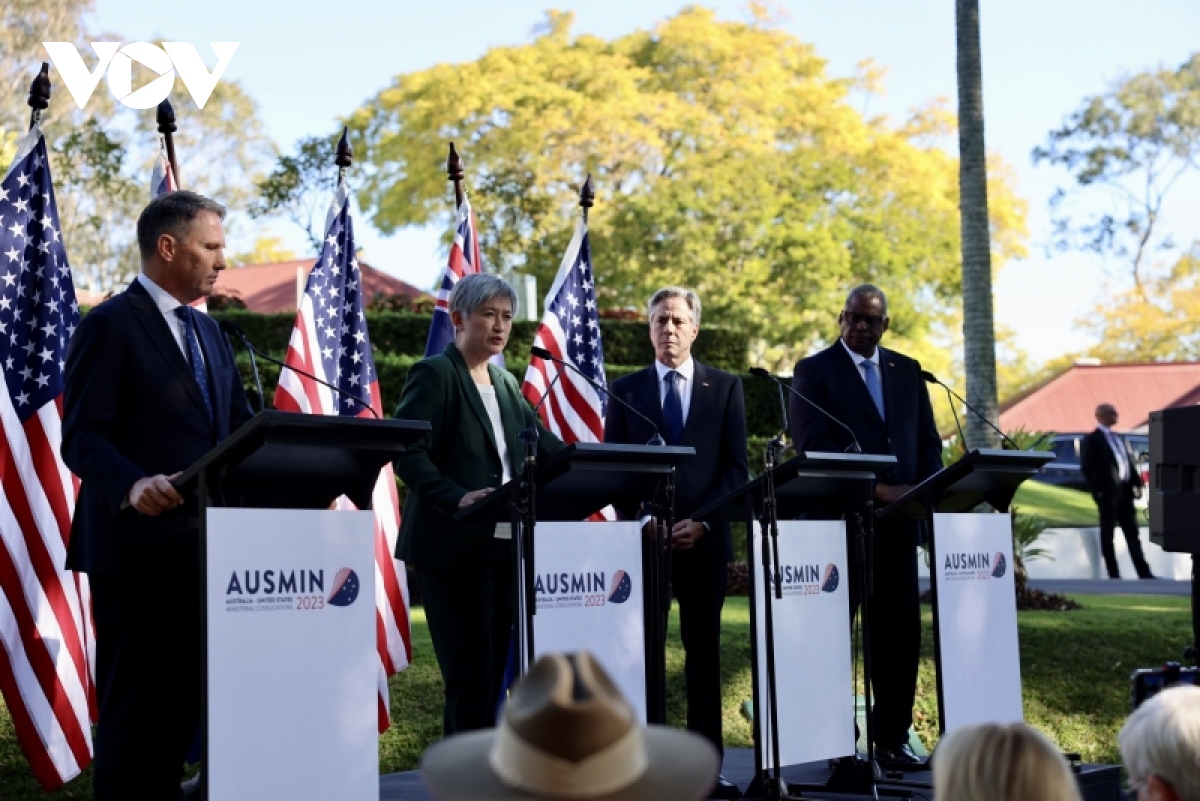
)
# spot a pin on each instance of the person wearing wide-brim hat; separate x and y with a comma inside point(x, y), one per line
point(568, 733)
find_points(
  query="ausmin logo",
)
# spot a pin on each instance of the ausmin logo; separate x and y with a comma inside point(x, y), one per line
point(622, 587)
point(345, 588)
point(165, 61)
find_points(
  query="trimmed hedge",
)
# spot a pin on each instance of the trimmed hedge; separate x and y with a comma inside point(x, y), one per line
point(625, 341)
point(762, 402)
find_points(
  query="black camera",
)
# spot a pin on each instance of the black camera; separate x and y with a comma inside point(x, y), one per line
point(1149, 682)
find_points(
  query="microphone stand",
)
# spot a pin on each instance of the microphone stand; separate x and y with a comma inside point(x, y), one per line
point(776, 788)
point(235, 330)
point(524, 511)
point(932, 379)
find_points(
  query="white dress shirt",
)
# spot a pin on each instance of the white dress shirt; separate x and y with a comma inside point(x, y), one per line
point(487, 393)
point(167, 304)
point(687, 372)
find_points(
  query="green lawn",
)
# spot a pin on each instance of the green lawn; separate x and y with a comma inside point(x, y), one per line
point(1075, 666)
point(1058, 506)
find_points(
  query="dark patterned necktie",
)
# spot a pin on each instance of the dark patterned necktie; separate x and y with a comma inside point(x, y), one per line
point(185, 315)
point(673, 408)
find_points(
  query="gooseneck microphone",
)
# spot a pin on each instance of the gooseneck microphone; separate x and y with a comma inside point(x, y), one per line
point(542, 353)
point(933, 379)
point(234, 330)
point(537, 407)
point(761, 373)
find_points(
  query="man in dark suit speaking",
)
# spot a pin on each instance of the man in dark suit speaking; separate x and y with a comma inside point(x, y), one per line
point(699, 406)
point(151, 385)
point(1113, 477)
point(881, 396)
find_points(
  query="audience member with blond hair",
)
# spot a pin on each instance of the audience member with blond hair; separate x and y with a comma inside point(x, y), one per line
point(991, 762)
point(1160, 744)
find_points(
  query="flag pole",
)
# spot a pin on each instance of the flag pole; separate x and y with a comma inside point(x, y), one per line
point(345, 154)
point(39, 95)
point(587, 197)
point(165, 116)
point(454, 170)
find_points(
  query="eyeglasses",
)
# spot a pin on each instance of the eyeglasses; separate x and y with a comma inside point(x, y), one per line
point(871, 320)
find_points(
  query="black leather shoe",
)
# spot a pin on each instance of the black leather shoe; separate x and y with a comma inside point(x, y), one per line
point(725, 789)
point(900, 757)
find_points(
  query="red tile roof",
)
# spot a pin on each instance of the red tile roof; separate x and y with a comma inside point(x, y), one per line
point(271, 288)
point(1066, 404)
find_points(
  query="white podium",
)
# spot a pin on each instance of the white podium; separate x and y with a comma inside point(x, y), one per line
point(288, 648)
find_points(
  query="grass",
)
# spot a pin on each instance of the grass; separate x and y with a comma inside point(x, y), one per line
point(1075, 668)
point(1058, 506)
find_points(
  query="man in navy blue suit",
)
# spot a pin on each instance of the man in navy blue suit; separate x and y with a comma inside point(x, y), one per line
point(151, 386)
point(881, 396)
point(699, 406)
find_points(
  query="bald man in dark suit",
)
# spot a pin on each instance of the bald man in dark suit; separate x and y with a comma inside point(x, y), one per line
point(881, 396)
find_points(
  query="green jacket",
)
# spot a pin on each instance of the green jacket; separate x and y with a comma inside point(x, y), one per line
point(457, 456)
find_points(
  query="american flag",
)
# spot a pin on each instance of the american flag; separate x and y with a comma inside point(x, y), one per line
point(46, 628)
point(570, 330)
point(330, 340)
point(464, 260)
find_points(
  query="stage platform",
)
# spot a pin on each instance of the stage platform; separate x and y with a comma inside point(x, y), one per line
point(1097, 782)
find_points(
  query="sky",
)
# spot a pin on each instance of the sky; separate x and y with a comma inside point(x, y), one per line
point(308, 63)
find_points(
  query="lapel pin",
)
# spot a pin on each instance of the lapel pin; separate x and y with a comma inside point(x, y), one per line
point(704, 383)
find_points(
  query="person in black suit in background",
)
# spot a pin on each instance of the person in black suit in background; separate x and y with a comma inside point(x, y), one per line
point(1113, 477)
point(881, 396)
point(151, 386)
point(702, 407)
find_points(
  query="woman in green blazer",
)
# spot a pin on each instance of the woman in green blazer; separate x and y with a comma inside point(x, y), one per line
point(464, 571)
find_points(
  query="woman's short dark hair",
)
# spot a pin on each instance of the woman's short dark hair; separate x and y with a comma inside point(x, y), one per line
point(172, 214)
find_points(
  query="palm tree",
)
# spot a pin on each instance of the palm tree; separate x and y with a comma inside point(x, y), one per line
point(979, 338)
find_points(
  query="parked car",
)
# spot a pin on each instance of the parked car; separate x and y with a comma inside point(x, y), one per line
point(1065, 471)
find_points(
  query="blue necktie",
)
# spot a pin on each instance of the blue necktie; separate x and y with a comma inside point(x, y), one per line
point(184, 313)
point(873, 386)
point(673, 408)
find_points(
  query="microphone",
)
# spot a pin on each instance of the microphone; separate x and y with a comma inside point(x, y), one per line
point(761, 373)
point(933, 379)
point(537, 407)
point(542, 353)
point(235, 330)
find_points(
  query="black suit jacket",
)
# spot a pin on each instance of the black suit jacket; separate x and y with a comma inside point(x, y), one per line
point(716, 428)
point(1099, 463)
point(131, 409)
point(832, 381)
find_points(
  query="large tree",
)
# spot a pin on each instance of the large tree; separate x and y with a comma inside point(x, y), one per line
point(1126, 149)
point(979, 335)
point(724, 156)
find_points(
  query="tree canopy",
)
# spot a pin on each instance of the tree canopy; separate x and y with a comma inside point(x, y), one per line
point(725, 158)
point(1126, 149)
